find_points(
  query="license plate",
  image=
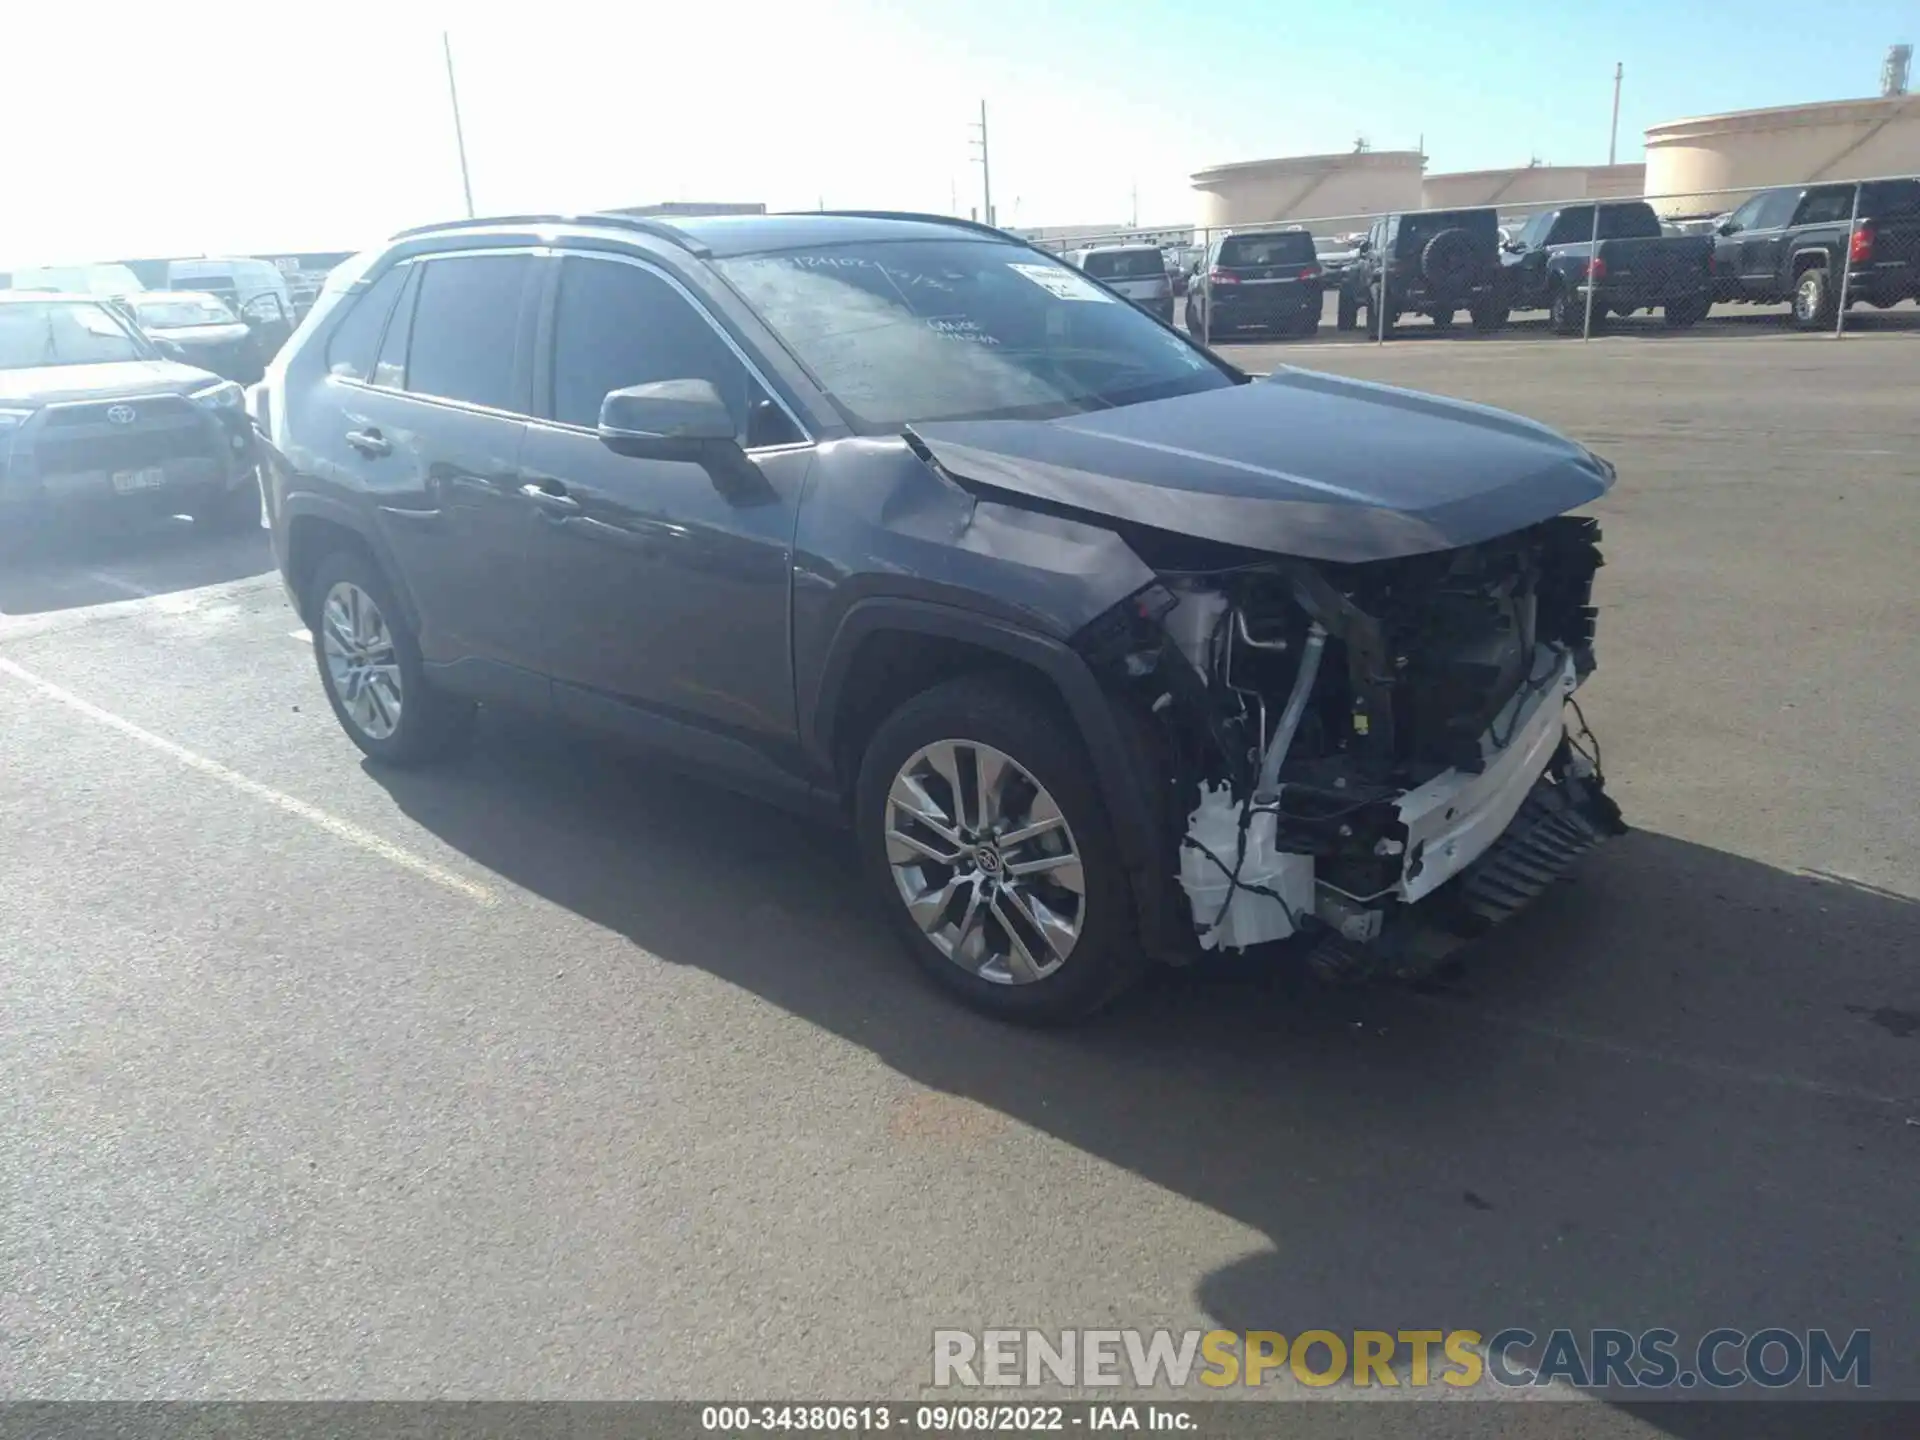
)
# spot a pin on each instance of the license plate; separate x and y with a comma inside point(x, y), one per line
point(127, 482)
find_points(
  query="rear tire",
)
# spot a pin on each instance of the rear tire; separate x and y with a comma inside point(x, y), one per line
point(1346, 312)
point(1442, 317)
point(1036, 751)
point(372, 671)
point(1815, 305)
point(1196, 322)
point(1489, 317)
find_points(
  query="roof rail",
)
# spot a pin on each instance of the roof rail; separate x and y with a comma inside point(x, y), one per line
point(640, 223)
point(978, 225)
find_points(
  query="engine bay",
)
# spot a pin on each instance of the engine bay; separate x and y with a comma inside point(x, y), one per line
point(1342, 743)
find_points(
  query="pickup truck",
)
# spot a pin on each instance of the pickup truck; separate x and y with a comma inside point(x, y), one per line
point(1636, 265)
point(1797, 244)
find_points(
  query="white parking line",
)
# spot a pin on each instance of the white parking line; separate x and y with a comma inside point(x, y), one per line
point(333, 825)
point(114, 582)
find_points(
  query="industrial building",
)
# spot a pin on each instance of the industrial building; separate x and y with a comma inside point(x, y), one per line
point(1686, 160)
point(1355, 184)
point(1752, 149)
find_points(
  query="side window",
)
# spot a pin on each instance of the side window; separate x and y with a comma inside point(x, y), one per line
point(1826, 205)
point(1533, 233)
point(1575, 225)
point(1743, 218)
point(617, 325)
point(1775, 210)
point(391, 369)
point(466, 320)
point(350, 349)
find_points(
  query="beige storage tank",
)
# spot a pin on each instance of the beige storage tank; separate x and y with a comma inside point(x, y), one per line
point(1752, 149)
point(1531, 184)
point(1310, 187)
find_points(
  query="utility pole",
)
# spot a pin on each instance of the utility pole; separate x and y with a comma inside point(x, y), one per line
point(1613, 136)
point(1134, 224)
point(986, 174)
point(459, 135)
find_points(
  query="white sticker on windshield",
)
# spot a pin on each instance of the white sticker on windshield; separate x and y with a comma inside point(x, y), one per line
point(1059, 281)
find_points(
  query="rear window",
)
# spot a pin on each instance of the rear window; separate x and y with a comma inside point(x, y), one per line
point(1886, 199)
point(1416, 230)
point(1295, 247)
point(1124, 264)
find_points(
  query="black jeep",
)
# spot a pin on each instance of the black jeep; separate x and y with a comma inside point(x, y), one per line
point(1428, 262)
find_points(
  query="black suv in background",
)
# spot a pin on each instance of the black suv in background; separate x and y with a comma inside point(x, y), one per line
point(1427, 262)
point(1796, 245)
point(1106, 650)
point(1256, 279)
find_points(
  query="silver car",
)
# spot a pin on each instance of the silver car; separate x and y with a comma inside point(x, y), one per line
point(1138, 272)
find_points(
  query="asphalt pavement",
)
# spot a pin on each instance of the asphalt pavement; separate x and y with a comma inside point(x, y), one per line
point(553, 1075)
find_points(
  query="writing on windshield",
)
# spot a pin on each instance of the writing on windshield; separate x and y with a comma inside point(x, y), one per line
point(905, 331)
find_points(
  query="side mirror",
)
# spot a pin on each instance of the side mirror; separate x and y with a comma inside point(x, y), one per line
point(171, 349)
point(1725, 227)
point(1512, 247)
point(666, 420)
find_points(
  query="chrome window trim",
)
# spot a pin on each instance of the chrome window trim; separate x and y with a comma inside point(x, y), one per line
point(449, 402)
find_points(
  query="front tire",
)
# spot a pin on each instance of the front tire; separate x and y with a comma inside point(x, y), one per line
point(1488, 317)
point(1683, 314)
point(1442, 317)
point(1346, 312)
point(232, 512)
point(371, 670)
point(1565, 312)
point(982, 834)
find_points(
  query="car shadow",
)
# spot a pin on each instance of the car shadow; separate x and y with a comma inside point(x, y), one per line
point(52, 571)
point(1674, 1093)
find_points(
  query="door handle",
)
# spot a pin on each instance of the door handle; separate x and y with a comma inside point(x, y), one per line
point(550, 495)
point(369, 442)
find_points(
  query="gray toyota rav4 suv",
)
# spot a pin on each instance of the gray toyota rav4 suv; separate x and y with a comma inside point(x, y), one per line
point(1108, 652)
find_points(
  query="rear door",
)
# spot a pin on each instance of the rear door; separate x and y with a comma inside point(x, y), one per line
point(437, 430)
point(661, 589)
point(1762, 273)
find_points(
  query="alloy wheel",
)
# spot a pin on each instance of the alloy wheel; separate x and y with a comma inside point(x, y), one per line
point(361, 662)
point(985, 862)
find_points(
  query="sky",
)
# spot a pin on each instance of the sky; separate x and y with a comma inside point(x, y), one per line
point(326, 125)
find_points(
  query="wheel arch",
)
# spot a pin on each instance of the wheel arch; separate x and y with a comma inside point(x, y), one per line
point(864, 680)
point(1812, 257)
point(315, 527)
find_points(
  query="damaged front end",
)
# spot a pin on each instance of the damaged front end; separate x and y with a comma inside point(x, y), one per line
point(1381, 757)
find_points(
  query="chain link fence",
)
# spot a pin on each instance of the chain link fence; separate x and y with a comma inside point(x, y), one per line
point(1812, 254)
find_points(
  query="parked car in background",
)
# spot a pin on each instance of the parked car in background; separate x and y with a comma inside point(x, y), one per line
point(1428, 262)
point(96, 421)
point(1798, 243)
point(201, 330)
point(1136, 272)
point(1257, 280)
point(1106, 652)
point(106, 279)
point(1553, 263)
point(254, 290)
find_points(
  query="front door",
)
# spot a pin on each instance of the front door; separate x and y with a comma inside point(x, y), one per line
point(1761, 246)
point(662, 589)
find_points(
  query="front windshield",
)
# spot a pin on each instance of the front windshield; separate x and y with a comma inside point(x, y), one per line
point(918, 330)
point(62, 332)
point(179, 310)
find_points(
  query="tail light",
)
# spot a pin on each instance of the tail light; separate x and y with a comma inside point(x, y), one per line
point(1596, 269)
point(1311, 274)
point(1223, 277)
point(1861, 249)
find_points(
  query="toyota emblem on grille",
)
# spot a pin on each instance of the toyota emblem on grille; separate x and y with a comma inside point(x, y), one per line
point(120, 414)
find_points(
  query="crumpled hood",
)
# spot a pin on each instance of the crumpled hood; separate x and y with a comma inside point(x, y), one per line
point(1302, 464)
point(48, 384)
